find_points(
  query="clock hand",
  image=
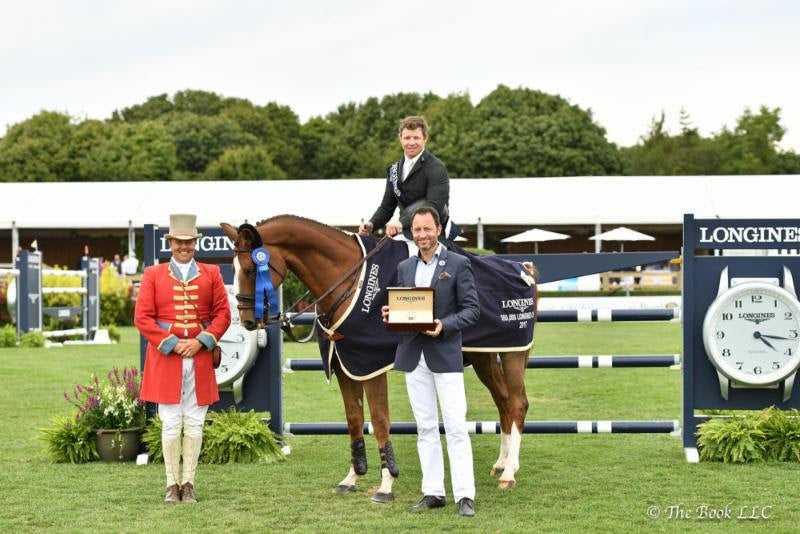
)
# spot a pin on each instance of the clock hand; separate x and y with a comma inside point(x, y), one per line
point(759, 335)
point(774, 337)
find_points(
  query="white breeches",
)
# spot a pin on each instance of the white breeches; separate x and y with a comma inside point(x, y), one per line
point(423, 388)
point(187, 414)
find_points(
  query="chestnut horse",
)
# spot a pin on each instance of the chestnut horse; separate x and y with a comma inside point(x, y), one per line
point(319, 256)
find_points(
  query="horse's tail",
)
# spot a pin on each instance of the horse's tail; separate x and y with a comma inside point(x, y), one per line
point(532, 270)
point(531, 278)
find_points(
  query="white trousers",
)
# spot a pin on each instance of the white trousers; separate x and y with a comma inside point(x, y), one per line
point(187, 413)
point(423, 387)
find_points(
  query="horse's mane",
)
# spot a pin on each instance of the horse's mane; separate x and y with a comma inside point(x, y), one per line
point(312, 222)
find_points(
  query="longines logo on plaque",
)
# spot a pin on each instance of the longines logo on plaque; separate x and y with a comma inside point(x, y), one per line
point(410, 308)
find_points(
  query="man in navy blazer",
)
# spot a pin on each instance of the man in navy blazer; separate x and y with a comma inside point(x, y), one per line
point(434, 365)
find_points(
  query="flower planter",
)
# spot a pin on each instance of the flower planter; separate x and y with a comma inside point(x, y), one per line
point(118, 445)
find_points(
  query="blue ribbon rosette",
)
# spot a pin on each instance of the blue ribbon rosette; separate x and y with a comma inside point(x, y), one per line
point(263, 284)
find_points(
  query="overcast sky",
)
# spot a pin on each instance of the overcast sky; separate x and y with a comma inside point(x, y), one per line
point(625, 60)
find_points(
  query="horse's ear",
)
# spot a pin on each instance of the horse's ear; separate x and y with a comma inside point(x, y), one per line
point(230, 231)
point(249, 231)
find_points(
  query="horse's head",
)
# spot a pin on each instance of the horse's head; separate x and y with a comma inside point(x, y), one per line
point(246, 240)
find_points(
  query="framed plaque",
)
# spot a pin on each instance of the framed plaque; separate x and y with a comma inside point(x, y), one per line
point(410, 309)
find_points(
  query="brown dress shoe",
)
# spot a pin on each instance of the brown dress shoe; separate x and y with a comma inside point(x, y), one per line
point(173, 494)
point(187, 493)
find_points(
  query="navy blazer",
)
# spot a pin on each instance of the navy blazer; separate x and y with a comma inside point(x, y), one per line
point(455, 305)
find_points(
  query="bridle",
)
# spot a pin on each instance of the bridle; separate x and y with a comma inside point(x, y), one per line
point(248, 302)
point(252, 298)
point(284, 319)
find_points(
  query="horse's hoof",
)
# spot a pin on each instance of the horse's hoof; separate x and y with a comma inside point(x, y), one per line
point(496, 471)
point(382, 498)
point(506, 484)
point(344, 488)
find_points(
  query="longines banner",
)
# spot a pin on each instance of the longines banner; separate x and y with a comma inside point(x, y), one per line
point(746, 233)
point(213, 244)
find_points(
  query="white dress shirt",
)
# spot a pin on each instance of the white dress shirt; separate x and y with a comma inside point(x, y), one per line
point(424, 273)
point(408, 164)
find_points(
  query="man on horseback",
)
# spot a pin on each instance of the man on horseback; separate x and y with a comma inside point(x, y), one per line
point(434, 364)
point(418, 177)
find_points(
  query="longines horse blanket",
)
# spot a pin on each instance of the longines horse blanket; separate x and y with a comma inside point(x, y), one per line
point(506, 294)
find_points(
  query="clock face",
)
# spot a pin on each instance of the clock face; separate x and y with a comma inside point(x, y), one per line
point(752, 333)
point(239, 349)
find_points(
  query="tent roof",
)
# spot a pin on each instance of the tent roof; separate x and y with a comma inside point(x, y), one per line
point(622, 234)
point(633, 200)
point(533, 235)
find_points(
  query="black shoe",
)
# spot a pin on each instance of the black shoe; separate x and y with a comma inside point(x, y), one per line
point(466, 507)
point(428, 501)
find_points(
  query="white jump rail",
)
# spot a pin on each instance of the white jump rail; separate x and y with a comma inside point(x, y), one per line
point(78, 290)
point(57, 272)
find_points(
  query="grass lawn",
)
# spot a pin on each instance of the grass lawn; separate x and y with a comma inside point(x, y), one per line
point(566, 483)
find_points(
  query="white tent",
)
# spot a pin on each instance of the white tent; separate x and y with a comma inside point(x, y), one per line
point(605, 200)
point(534, 235)
point(622, 234)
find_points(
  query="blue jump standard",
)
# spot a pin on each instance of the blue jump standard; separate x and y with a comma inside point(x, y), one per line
point(493, 427)
point(545, 362)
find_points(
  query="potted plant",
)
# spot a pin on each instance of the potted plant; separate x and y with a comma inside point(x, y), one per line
point(113, 410)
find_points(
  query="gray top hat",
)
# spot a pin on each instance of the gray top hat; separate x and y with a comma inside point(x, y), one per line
point(183, 226)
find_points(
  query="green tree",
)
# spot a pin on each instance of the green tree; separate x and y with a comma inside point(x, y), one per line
point(751, 148)
point(286, 145)
point(37, 150)
point(153, 108)
point(522, 132)
point(244, 163)
point(325, 150)
point(152, 152)
point(660, 154)
point(276, 128)
point(453, 125)
point(359, 140)
point(199, 102)
point(200, 139)
point(119, 151)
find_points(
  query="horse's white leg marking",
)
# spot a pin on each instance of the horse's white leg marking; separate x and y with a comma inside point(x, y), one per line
point(500, 464)
point(350, 479)
point(386, 481)
point(512, 460)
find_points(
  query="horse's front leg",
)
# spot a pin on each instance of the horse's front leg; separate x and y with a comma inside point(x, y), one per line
point(352, 395)
point(378, 398)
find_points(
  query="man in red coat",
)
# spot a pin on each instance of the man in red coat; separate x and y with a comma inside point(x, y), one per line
point(183, 311)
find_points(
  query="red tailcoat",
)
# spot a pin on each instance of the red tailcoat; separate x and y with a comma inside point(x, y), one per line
point(162, 300)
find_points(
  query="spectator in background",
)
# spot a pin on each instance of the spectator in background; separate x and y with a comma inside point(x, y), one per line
point(116, 263)
point(130, 265)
